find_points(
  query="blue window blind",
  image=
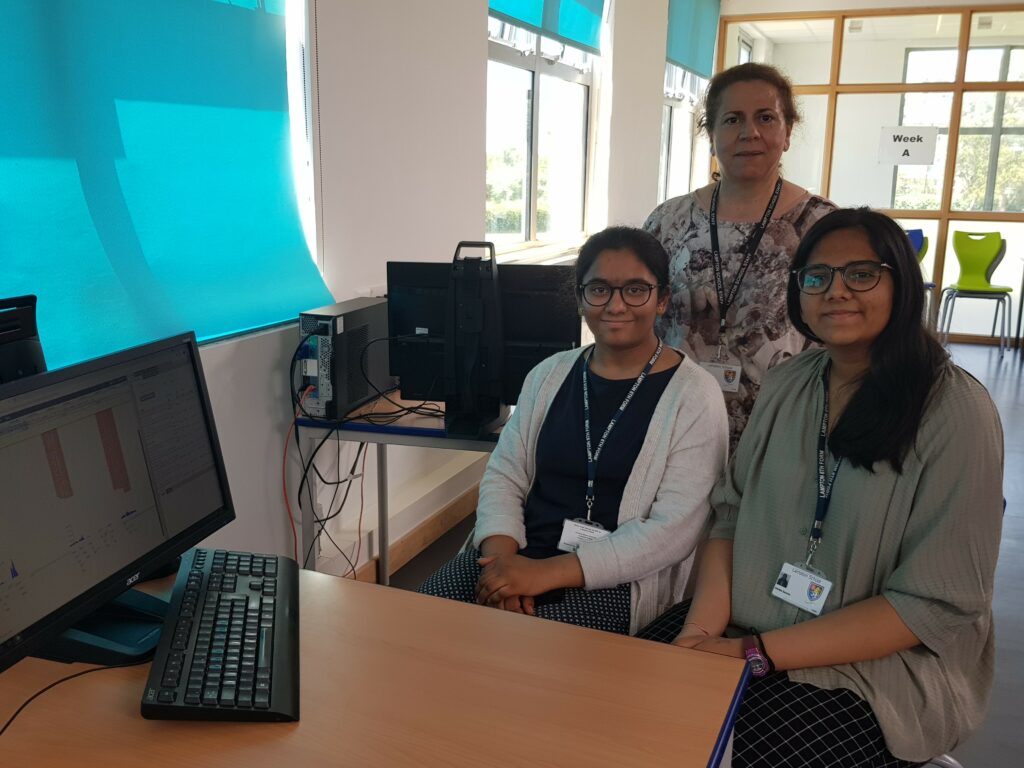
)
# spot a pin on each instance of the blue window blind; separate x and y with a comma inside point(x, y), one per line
point(145, 171)
point(692, 31)
point(576, 22)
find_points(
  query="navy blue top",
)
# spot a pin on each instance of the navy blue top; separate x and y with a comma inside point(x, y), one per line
point(560, 480)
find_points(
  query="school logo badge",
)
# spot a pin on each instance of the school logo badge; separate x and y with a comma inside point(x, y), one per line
point(814, 591)
point(729, 376)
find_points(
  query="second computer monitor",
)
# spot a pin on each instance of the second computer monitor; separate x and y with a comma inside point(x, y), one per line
point(539, 318)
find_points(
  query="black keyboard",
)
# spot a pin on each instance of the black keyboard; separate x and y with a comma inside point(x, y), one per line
point(230, 643)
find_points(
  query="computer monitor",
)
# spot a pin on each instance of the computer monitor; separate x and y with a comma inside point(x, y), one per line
point(109, 469)
point(536, 313)
point(21, 353)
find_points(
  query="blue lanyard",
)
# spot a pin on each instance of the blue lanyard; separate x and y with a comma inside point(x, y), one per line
point(725, 300)
point(824, 488)
point(592, 456)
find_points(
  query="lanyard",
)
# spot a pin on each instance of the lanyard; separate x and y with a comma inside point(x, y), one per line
point(725, 300)
point(824, 489)
point(592, 456)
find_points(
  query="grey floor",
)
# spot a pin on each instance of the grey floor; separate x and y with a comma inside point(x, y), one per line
point(1000, 740)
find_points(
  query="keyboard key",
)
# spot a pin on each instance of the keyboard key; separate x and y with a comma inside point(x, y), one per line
point(261, 700)
point(166, 696)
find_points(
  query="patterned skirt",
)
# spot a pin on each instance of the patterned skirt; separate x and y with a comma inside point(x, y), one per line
point(782, 724)
point(604, 609)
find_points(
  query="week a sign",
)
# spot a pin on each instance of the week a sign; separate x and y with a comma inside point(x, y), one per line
point(907, 145)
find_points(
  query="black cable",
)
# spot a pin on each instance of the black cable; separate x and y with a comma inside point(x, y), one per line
point(425, 408)
point(40, 692)
point(322, 521)
point(309, 490)
point(306, 464)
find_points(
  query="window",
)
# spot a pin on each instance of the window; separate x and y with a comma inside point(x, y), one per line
point(989, 170)
point(746, 54)
point(538, 101)
point(680, 169)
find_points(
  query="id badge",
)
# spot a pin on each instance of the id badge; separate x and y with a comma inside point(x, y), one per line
point(578, 532)
point(806, 589)
point(726, 373)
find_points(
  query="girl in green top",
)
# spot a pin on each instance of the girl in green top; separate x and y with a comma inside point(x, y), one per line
point(857, 528)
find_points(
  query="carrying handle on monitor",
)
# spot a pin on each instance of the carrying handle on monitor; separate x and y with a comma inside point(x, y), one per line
point(489, 247)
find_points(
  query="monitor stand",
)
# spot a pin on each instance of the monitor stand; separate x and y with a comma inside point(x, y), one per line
point(125, 630)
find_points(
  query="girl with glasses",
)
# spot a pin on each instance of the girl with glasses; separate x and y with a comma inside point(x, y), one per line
point(731, 242)
point(595, 497)
point(856, 531)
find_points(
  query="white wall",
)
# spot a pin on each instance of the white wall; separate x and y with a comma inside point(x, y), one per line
point(628, 142)
point(401, 88)
point(402, 95)
point(248, 383)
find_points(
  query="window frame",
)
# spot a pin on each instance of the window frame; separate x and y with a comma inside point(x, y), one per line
point(996, 131)
point(537, 64)
point(684, 101)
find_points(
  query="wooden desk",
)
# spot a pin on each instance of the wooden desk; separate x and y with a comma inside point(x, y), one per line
point(410, 430)
point(393, 678)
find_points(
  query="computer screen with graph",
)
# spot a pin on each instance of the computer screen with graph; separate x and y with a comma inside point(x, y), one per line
point(108, 469)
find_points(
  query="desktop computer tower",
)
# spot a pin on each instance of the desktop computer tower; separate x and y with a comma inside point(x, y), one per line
point(344, 357)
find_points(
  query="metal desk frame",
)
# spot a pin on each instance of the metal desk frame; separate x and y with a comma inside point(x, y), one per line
point(409, 431)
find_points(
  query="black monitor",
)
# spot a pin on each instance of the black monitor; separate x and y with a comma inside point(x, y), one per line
point(21, 353)
point(109, 470)
point(446, 339)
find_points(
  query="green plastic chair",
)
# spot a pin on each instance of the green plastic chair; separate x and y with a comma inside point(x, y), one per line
point(979, 253)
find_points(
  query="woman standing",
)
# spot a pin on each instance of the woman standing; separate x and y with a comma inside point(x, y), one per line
point(857, 529)
point(731, 242)
point(596, 495)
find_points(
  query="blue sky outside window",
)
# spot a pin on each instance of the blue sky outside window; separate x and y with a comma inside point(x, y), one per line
point(145, 177)
point(576, 22)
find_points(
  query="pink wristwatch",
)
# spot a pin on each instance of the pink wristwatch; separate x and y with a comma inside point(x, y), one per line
point(760, 666)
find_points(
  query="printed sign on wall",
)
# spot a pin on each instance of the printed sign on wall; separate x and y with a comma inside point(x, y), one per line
point(907, 145)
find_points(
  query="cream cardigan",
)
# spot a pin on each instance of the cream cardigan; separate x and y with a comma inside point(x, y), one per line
point(664, 509)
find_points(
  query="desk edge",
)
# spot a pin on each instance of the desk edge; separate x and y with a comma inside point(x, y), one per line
point(730, 720)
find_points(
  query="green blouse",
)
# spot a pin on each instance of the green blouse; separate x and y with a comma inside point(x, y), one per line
point(926, 539)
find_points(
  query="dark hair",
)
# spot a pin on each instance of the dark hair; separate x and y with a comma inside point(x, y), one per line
point(881, 420)
point(645, 245)
point(745, 73)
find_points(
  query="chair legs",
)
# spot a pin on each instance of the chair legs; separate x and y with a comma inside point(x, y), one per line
point(1003, 302)
point(947, 297)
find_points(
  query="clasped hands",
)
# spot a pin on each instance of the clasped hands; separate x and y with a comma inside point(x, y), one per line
point(698, 639)
point(510, 582)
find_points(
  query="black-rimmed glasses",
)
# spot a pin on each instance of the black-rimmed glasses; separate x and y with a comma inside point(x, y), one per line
point(597, 293)
point(858, 276)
